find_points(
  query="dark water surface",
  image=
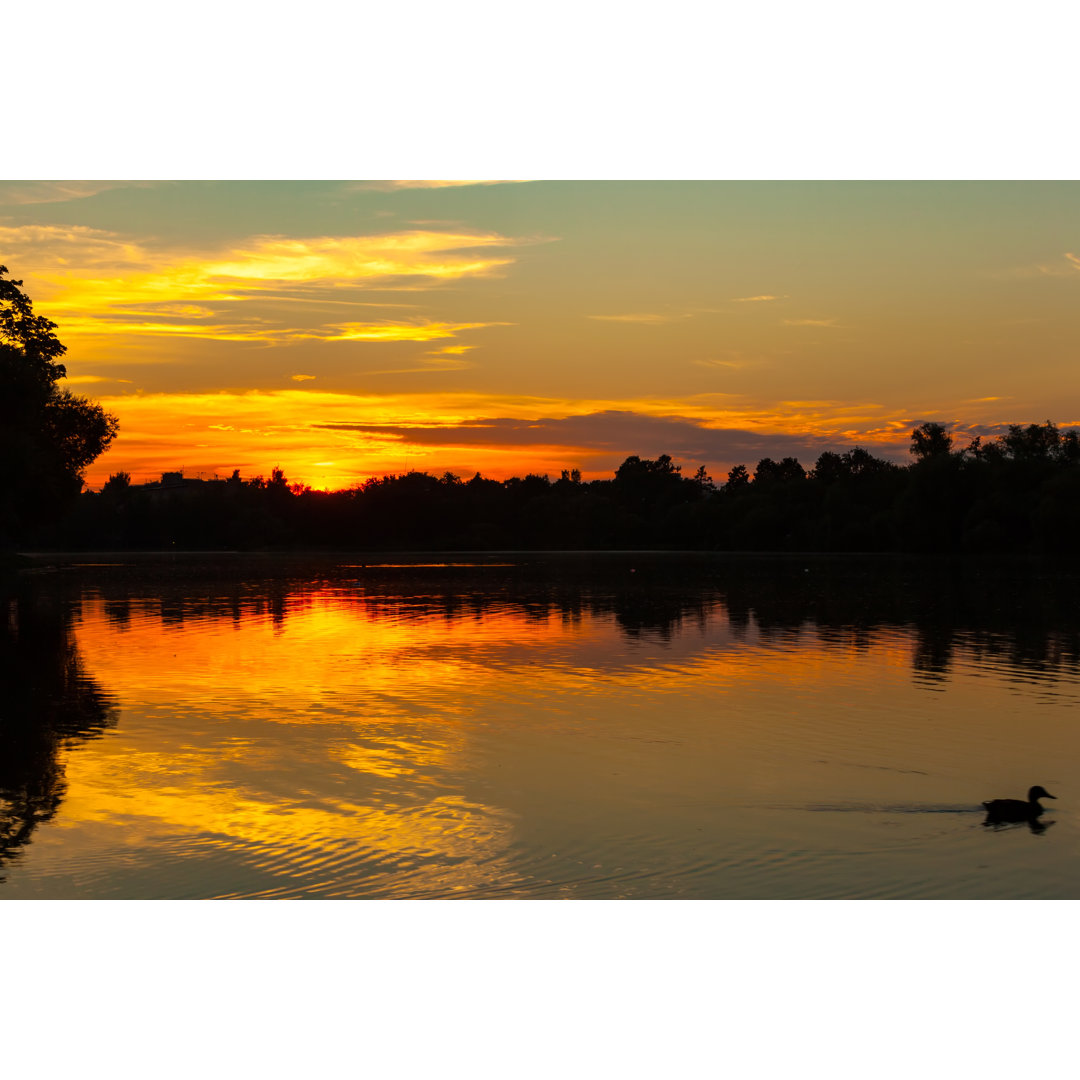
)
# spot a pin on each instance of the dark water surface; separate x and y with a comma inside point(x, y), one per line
point(638, 726)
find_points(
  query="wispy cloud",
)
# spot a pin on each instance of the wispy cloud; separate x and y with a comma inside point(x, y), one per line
point(256, 331)
point(301, 378)
point(738, 359)
point(810, 322)
point(753, 299)
point(405, 185)
point(719, 362)
point(448, 358)
point(414, 253)
point(454, 350)
point(648, 318)
point(95, 282)
point(34, 192)
point(400, 331)
point(80, 380)
point(1064, 268)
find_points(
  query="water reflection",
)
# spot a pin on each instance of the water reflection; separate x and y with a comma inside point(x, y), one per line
point(1022, 614)
point(49, 705)
point(623, 726)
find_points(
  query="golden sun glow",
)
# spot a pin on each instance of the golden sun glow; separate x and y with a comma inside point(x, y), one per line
point(516, 328)
point(323, 439)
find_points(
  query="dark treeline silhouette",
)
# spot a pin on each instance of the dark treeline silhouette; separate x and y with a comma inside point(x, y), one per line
point(1016, 494)
point(48, 705)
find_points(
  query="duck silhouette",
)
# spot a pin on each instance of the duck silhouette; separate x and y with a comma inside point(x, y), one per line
point(1004, 810)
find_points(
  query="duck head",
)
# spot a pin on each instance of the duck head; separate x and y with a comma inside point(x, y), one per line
point(1037, 793)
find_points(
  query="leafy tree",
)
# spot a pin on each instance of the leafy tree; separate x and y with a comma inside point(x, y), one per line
point(769, 471)
point(703, 481)
point(48, 435)
point(118, 482)
point(1036, 442)
point(738, 479)
point(930, 440)
point(829, 468)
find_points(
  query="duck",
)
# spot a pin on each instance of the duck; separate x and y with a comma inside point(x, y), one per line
point(1017, 809)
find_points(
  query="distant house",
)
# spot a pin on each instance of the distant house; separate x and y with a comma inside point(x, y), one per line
point(177, 481)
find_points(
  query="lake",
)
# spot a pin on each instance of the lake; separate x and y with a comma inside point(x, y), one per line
point(583, 726)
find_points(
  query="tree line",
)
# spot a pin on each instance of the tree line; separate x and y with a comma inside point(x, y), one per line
point(1018, 493)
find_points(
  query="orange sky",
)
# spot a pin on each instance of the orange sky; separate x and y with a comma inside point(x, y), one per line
point(340, 330)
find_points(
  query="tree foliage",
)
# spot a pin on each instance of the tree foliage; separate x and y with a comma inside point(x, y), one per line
point(48, 435)
point(930, 440)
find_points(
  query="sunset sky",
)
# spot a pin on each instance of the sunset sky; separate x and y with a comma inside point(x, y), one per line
point(344, 329)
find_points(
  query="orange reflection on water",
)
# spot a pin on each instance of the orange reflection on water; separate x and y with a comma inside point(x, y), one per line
point(330, 735)
point(409, 730)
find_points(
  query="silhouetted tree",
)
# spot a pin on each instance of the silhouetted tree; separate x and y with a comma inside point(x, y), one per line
point(47, 434)
point(703, 481)
point(1036, 442)
point(769, 471)
point(829, 468)
point(930, 440)
point(118, 482)
point(738, 479)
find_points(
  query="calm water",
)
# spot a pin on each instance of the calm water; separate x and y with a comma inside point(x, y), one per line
point(554, 727)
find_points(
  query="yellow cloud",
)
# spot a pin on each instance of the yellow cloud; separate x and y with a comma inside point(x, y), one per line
point(301, 378)
point(354, 258)
point(77, 326)
point(91, 281)
point(751, 299)
point(809, 322)
point(400, 331)
point(451, 350)
point(80, 380)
